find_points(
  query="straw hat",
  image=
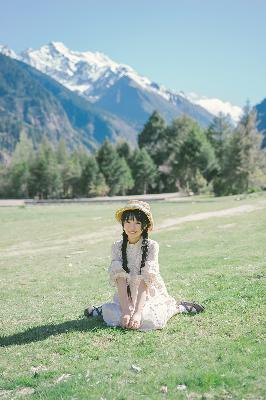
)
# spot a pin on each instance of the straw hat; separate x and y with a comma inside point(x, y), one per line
point(136, 205)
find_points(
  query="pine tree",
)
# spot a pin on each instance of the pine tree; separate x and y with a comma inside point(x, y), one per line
point(92, 182)
point(244, 162)
point(144, 172)
point(64, 167)
point(126, 181)
point(190, 158)
point(5, 184)
point(186, 162)
point(75, 171)
point(124, 150)
point(246, 165)
point(152, 137)
point(45, 179)
point(110, 166)
point(175, 135)
point(219, 131)
point(19, 170)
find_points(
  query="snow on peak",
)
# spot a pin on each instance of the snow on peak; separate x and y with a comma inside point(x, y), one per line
point(93, 73)
point(215, 106)
point(59, 46)
point(7, 51)
point(77, 70)
point(88, 73)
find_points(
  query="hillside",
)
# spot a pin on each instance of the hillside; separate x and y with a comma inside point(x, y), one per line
point(261, 118)
point(39, 105)
point(115, 87)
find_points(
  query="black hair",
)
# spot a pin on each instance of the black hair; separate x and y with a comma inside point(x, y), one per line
point(141, 217)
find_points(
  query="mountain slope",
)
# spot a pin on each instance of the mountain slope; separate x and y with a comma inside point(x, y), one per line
point(94, 75)
point(130, 101)
point(34, 102)
point(216, 106)
point(261, 118)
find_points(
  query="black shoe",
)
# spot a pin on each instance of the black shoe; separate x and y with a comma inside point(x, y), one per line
point(92, 311)
point(191, 307)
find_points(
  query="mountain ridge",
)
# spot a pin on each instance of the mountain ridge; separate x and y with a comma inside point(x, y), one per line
point(36, 103)
point(93, 74)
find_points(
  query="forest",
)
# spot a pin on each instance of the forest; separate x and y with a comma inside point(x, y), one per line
point(178, 157)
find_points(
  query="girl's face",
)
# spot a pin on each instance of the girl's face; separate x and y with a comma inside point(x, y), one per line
point(132, 227)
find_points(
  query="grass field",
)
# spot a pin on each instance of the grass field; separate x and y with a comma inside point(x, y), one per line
point(53, 262)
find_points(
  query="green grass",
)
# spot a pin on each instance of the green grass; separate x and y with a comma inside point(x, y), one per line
point(53, 261)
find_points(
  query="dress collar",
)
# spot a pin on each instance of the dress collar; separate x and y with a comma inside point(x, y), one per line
point(138, 243)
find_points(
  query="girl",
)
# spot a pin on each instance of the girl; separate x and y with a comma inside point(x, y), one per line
point(141, 300)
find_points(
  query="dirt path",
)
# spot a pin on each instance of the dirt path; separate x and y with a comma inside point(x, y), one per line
point(168, 223)
point(29, 248)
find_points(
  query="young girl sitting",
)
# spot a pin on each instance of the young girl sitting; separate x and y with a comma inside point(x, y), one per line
point(141, 300)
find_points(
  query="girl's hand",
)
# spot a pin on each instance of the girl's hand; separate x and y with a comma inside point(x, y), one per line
point(135, 321)
point(125, 318)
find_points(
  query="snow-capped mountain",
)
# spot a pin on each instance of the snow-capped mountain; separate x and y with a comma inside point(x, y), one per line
point(8, 52)
point(95, 76)
point(35, 103)
point(216, 106)
point(87, 73)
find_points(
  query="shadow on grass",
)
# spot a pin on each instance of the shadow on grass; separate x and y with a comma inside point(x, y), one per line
point(39, 333)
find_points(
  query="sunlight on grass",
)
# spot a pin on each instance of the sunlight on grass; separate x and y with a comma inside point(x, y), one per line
point(53, 261)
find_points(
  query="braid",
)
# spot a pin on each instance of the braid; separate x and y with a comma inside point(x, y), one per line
point(144, 247)
point(124, 260)
point(145, 223)
point(124, 252)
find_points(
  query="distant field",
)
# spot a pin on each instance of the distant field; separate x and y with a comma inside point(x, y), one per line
point(53, 262)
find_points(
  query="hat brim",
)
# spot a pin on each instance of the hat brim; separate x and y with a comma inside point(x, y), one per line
point(119, 213)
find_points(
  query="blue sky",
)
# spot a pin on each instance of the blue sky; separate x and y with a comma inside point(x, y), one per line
point(211, 47)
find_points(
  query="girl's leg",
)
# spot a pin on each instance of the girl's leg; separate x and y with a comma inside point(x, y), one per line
point(183, 307)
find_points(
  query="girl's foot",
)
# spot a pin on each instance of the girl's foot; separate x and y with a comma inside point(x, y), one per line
point(135, 321)
point(125, 318)
point(190, 307)
point(92, 311)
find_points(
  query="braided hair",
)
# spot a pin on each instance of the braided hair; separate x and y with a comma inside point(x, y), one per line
point(141, 217)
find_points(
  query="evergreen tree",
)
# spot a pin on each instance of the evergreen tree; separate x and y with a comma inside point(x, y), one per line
point(245, 166)
point(110, 166)
point(144, 172)
point(19, 170)
point(45, 179)
point(82, 154)
point(219, 130)
point(64, 167)
point(153, 137)
point(76, 165)
point(168, 142)
point(62, 153)
point(190, 157)
point(92, 182)
point(5, 184)
point(208, 164)
point(124, 150)
point(126, 181)
point(186, 161)
point(219, 134)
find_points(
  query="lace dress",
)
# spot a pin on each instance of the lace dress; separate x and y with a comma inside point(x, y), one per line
point(159, 306)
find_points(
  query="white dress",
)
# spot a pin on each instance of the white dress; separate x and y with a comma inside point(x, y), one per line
point(159, 306)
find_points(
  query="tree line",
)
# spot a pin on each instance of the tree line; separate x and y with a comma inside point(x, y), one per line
point(181, 156)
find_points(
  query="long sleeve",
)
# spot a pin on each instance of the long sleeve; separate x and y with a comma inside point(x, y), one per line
point(116, 267)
